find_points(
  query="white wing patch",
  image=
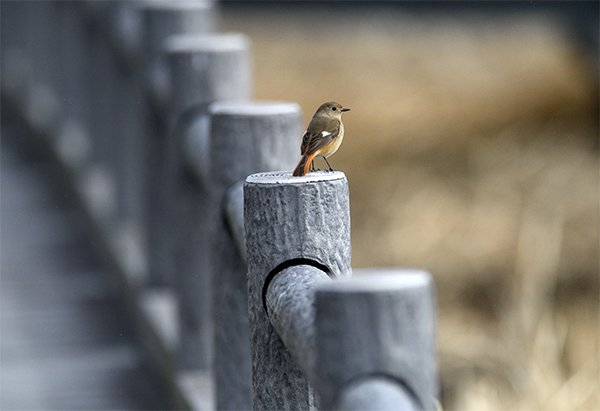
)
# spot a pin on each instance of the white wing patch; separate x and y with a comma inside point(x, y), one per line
point(325, 133)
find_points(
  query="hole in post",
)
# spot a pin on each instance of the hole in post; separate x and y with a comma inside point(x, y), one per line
point(287, 264)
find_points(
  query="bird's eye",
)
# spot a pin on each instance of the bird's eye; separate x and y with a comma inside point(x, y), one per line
point(333, 108)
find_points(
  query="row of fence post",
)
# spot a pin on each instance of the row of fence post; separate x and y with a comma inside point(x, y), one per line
point(150, 110)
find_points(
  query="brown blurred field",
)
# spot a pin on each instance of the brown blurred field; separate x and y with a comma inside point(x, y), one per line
point(472, 151)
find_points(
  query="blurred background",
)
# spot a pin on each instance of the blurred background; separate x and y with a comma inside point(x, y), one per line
point(472, 151)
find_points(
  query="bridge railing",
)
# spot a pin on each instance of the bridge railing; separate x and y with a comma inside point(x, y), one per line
point(238, 274)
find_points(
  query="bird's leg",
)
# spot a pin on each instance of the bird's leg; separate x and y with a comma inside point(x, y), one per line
point(329, 165)
point(313, 168)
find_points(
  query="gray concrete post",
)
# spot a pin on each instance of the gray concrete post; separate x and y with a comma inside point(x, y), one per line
point(233, 207)
point(42, 104)
point(74, 142)
point(102, 90)
point(204, 68)
point(129, 160)
point(289, 221)
point(124, 31)
point(121, 32)
point(160, 20)
point(15, 61)
point(183, 247)
point(372, 329)
point(98, 79)
point(244, 138)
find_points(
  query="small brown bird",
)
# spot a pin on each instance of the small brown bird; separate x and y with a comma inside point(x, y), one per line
point(323, 136)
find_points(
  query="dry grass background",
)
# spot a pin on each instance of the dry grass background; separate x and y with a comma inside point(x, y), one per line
point(472, 151)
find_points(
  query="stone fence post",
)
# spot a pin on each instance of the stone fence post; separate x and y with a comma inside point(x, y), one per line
point(375, 342)
point(297, 233)
point(202, 69)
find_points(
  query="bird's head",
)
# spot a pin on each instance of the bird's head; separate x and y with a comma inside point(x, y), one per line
point(331, 109)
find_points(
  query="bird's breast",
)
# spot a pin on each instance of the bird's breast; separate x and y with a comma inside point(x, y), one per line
point(335, 143)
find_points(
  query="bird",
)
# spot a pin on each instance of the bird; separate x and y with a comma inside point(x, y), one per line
point(322, 138)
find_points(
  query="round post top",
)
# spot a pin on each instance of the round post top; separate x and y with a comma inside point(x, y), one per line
point(285, 177)
point(170, 5)
point(207, 43)
point(380, 280)
point(253, 108)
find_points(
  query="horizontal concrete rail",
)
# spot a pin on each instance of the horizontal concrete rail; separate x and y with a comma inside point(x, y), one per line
point(365, 342)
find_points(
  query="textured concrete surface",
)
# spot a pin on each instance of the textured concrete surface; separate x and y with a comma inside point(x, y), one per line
point(159, 21)
point(203, 68)
point(290, 301)
point(289, 221)
point(382, 324)
point(233, 207)
point(245, 138)
point(162, 19)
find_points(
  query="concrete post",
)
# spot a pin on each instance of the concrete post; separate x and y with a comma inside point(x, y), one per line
point(164, 18)
point(15, 60)
point(375, 332)
point(244, 138)
point(42, 104)
point(184, 243)
point(206, 68)
point(102, 90)
point(74, 142)
point(122, 33)
point(289, 221)
point(160, 20)
point(233, 207)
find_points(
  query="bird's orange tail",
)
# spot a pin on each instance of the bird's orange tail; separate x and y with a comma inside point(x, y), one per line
point(303, 165)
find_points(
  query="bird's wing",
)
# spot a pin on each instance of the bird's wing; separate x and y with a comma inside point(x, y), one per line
point(305, 139)
point(319, 135)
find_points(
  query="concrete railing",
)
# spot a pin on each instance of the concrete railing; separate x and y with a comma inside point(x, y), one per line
point(238, 274)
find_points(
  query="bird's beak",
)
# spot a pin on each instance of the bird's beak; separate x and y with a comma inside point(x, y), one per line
point(345, 109)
